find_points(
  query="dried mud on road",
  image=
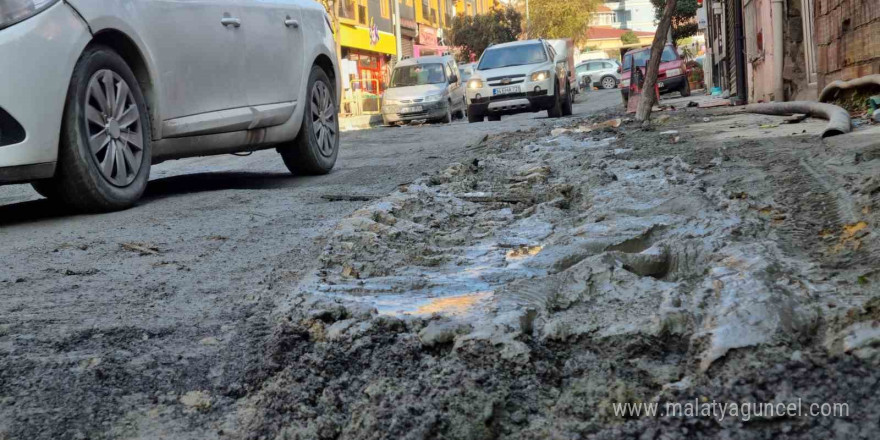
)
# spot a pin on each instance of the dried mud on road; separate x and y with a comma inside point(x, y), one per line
point(522, 292)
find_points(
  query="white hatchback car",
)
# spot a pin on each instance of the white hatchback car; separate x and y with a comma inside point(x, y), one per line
point(92, 92)
point(519, 77)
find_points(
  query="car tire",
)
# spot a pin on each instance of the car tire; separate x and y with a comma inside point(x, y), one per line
point(104, 155)
point(608, 82)
point(316, 146)
point(494, 118)
point(556, 110)
point(473, 117)
point(685, 90)
point(567, 104)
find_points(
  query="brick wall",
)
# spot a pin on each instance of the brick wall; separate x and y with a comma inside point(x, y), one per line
point(847, 34)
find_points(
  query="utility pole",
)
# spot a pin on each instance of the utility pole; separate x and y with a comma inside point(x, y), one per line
point(397, 35)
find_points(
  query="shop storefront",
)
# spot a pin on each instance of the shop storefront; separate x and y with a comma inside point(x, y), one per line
point(409, 32)
point(366, 56)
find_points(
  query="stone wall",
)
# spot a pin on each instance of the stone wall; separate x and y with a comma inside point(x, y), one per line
point(847, 33)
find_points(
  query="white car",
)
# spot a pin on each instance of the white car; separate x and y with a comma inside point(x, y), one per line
point(93, 92)
point(601, 73)
point(519, 77)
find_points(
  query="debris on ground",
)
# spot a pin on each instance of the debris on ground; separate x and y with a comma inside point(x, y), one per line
point(143, 249)
point(525, 291)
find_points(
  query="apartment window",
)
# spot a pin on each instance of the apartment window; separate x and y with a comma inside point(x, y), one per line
point(362, 14)
point(347, 9)
point(384, 6)
point(426, 9)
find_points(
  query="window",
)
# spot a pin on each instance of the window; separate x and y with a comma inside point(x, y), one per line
point(347, 9)
point(362, 14)
point(513, 56)
point(642, 57)
point(384, 8)
point(418, 74)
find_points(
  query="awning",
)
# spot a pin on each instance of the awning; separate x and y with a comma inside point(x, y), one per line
point(359, 38)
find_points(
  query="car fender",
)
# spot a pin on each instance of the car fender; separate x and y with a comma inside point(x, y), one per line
point(104, 15)
point(46, 47)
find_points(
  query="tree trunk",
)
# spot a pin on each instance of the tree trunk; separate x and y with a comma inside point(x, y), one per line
point(643, 113)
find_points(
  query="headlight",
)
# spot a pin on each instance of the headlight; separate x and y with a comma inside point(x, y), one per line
point(475, 84)
point(434, 98)
point(389, 102)
point(14, 11)
point(624, 83)
point(540, 76)
point(673, 72)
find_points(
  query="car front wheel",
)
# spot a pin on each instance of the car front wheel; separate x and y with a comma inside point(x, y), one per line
point(315, 148)
point(105, 152)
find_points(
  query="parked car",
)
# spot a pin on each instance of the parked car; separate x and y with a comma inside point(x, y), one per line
point(672, 76)
point(602, 73)
point(518, 77)
point(465, 71)
point(565, 50)
point(94, 92)
point(425, 88)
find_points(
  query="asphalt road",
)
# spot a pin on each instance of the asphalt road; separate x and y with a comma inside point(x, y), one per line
point(104, 316)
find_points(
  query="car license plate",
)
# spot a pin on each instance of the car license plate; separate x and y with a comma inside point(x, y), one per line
point(505, 90)
point(660, 84)
point(414, 109)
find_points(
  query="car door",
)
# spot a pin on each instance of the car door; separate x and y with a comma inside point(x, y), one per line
point(456, 89)
point(196, 45)
point(273, 56)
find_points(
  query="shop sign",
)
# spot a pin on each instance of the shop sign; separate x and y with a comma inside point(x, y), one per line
point(427, 35)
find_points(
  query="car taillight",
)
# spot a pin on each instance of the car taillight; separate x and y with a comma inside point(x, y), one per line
point(618, 69)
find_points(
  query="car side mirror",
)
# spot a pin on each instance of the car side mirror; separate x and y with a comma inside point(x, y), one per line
point(453, 79)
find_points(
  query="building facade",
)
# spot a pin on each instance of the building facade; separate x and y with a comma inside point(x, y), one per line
point(636, 15)
point(368, 42)
point(791, 49)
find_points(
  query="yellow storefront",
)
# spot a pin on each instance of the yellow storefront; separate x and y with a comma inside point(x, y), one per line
point(365, 59)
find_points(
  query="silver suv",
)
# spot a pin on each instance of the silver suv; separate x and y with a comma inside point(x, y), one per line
point(519, 77)
point(601, 73)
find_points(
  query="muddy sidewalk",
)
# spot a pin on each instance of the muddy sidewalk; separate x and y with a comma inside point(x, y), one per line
point(560, 271)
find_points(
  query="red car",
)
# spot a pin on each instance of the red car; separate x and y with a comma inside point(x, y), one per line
point(671, 78)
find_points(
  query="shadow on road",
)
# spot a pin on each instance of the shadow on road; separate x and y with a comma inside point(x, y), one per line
point(43, 209)
point(215, 181)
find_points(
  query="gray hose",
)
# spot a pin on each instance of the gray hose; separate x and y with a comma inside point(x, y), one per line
point(830, 90)
point(838, 118)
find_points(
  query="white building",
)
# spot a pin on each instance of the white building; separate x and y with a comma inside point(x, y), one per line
point(637, 15)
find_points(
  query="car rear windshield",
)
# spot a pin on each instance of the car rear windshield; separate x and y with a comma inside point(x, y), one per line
point(642, 57)
point(418, 75)
point(513, 56)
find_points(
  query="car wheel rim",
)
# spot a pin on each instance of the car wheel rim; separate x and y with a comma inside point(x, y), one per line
point(324, 123)
point(608, 83)
point(113, 127)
